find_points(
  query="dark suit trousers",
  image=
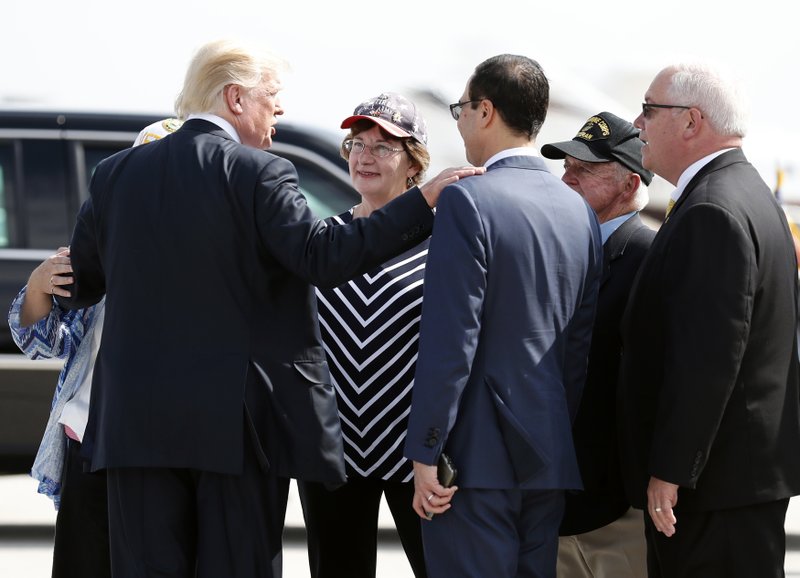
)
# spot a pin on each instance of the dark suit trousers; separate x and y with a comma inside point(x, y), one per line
point(745, 542)
point(497, 533)
point(182, 523)
point(81, 545)
point(342, 526)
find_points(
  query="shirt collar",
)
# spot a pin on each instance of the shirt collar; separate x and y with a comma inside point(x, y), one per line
point(514, 152)
point(607, 229)
point(220, 122)
point(691, 171)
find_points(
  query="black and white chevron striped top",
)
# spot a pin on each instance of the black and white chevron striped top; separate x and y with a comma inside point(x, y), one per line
point(370, 329)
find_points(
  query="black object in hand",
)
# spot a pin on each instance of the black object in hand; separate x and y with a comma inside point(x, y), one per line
point(446, 471)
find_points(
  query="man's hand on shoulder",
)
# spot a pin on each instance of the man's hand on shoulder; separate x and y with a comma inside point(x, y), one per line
point(432, 188)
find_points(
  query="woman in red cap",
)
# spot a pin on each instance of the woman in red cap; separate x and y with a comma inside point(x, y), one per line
point(370, 328)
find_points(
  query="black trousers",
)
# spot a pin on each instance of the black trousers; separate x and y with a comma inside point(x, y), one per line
point(342, 526)
point(745, 542)
point(182, 523)
point(81, 543)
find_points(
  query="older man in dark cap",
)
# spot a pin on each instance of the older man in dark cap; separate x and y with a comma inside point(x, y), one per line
point(600, 534)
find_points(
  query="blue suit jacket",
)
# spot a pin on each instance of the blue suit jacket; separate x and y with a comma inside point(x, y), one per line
point(510, 294)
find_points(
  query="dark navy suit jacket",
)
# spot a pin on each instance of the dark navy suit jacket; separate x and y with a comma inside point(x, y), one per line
point(595, 429)
point(510, 294)
point(205, 249)
point(709, 381)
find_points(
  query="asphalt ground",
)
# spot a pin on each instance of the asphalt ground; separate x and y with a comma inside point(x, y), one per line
point(27, 524)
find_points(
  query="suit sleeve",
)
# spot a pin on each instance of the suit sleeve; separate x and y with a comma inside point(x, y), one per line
point(581, 326)
point(710, 270)
point(329, 256)
point(89, 284)
point(455, 285)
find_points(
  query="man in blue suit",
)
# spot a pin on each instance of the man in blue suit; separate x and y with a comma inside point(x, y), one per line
point(510, 294)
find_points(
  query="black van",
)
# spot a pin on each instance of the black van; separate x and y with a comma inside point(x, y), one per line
point(46, 160)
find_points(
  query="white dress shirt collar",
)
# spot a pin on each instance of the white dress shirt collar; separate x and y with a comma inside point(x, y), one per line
point(515, 152)
point(220, 122)
point(691, 171)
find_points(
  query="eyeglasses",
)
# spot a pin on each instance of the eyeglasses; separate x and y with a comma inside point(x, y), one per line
point(455, 108)
point(646, 106)
point(380, 151)
point(582, 169)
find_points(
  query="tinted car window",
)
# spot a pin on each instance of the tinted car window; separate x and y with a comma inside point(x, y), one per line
point(47, 220)
point(326, 196)
point(6, 192)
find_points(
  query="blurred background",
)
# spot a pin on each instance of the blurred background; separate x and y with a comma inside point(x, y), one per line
point(131, 57)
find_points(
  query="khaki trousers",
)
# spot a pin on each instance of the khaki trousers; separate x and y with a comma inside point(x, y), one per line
point(618, 550)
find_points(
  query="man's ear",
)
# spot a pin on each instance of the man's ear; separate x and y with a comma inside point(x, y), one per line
point(631, 185)
point(487, 111)
point(232, 94)
point(695, 121)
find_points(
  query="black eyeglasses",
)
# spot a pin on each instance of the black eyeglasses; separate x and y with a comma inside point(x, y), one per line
point(646, 106)
point(455, 108)
point(379, 150)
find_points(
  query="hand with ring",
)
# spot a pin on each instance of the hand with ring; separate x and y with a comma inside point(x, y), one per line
point(46, 281)
point(428, 490)
point(662, 496)
point(52, 274)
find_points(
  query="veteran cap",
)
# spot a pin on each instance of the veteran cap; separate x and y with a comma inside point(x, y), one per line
point(605, 137)
point(394, 113)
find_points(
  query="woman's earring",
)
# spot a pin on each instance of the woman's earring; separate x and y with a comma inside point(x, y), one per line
point(409, 182)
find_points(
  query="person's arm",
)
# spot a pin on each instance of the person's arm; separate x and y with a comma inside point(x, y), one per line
point(579, 338)
point(330, 256)
point(455, 286)
point(50, 331)
point(44, 282)
point(710, 278)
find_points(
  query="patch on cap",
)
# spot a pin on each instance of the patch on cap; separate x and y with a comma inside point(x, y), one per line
point(595, 128)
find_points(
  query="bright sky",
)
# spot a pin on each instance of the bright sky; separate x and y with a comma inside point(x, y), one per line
point(100, 54)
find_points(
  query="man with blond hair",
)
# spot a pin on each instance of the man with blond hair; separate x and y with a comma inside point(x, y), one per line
point(709, 378)
point(211, 384)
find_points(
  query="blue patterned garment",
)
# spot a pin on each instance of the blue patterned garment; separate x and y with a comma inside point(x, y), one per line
point(58, 335)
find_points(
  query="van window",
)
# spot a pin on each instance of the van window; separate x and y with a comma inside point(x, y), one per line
point(325, 194)
point(44, 169)
point(6, 192)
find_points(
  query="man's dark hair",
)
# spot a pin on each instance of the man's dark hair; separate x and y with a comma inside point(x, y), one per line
point(518, 89)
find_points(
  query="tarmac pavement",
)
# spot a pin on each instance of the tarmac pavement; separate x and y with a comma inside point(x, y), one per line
point(27, 519)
